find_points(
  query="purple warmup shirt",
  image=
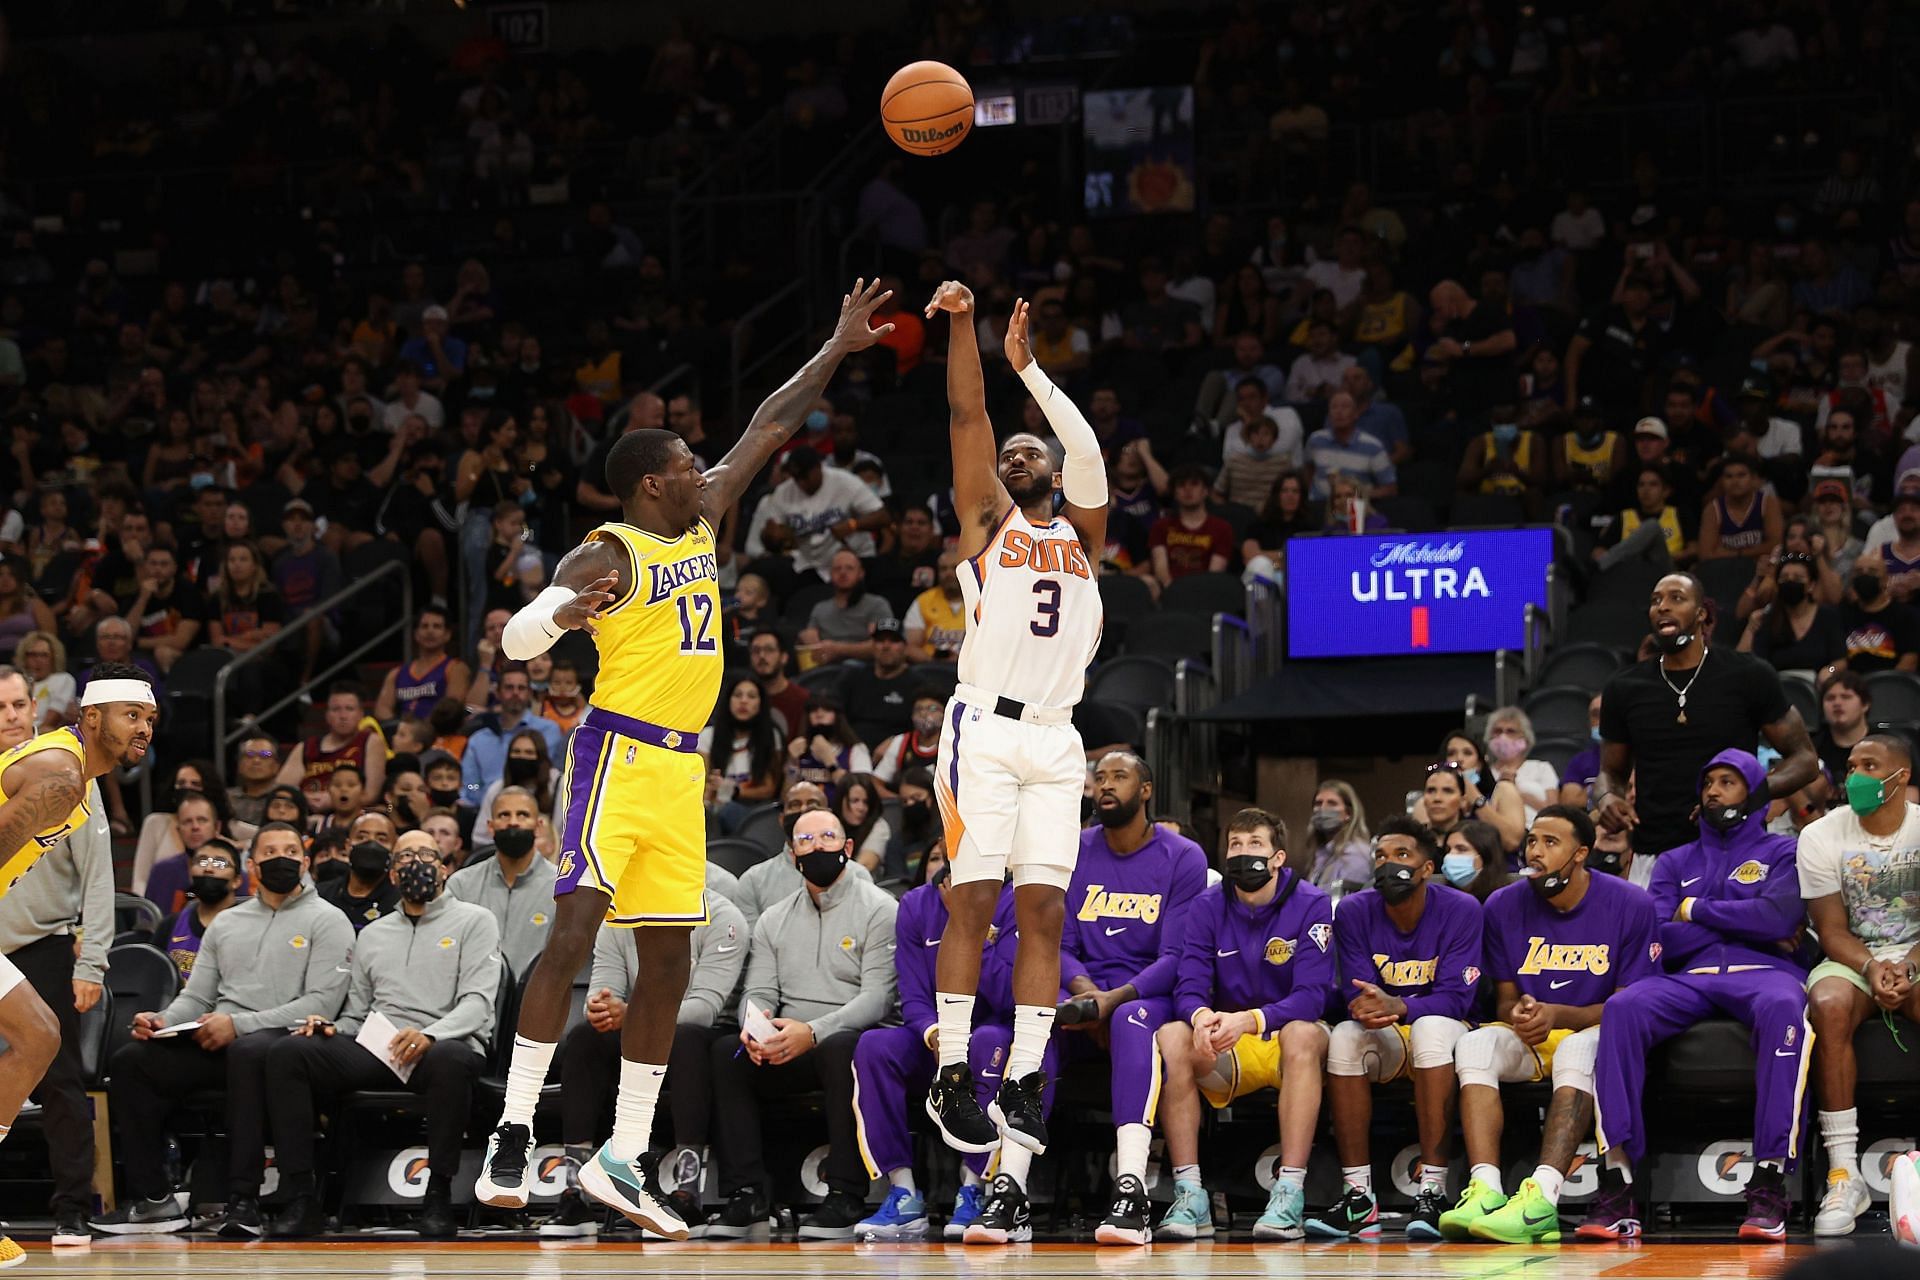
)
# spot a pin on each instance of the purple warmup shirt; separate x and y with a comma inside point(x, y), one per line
point(1124, 913)
point(1276, 958)
point(1578, 957)
point(1435, 969)
point(916, 934)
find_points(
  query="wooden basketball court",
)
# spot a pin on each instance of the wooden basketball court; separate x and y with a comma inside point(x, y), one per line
point(527, 1260)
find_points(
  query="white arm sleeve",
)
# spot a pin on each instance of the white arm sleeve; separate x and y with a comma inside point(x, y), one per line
point(531, 632)
point(1083, 476)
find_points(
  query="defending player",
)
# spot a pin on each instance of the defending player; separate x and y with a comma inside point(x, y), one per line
point(1254, 978)
point(1557, 946)
point(1011, 767)
point(632, 847)
point(43, 796)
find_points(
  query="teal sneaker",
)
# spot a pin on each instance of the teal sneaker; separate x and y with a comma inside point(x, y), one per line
point(633, 1188)
point(902, 1216)
point(1286, 1214)
point(1190, 1218)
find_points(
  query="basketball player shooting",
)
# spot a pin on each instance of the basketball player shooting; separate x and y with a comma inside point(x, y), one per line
point(1011, 768)
point(632, 844)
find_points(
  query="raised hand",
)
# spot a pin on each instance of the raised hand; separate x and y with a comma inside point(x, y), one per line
point(951, 296)
point(854, 332)
point(1019, 348)
point(578, 614)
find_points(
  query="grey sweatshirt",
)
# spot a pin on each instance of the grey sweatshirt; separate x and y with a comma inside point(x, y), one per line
point(438, 971)
point(827, 962)
point(70, 890)
point(524, 912)
point(269, 968)
point(719, 956)
point(768, 882)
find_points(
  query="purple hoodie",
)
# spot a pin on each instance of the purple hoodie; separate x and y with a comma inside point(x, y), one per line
point(1435, 969)
point(916, 933)
point(1743, 888)
point(1124, 911)
point(1276, 960)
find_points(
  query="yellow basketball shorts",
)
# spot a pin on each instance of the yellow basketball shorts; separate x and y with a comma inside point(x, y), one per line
point(634, 824)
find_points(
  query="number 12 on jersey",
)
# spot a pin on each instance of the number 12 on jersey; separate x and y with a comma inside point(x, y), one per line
point(696, 633)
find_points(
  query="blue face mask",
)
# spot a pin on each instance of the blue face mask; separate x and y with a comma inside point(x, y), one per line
point(1459, 869)
point(1767, 757)
point(1594, 733)
point(1505, 433)
point(817, 420)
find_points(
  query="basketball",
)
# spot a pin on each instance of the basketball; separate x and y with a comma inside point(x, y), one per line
point(927, 108)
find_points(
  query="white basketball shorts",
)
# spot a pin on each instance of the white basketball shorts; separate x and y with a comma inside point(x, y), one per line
point(1009, 791)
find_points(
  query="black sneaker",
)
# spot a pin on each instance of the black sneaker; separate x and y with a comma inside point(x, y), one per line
point(744, 1218)
point(1130, 1220)
point(957, 1113)
point(1424, 1222)
point(154, 1217)
point(835, 1219)
point(573, 1217)
point(1007, 1219)
point(1020, 1112)
point(436, 1220)
point(70, 1230)
point(687, 1205)
point(301, 1218)
point(242, 1220)
point(503, 1170)
point(1355, 1216)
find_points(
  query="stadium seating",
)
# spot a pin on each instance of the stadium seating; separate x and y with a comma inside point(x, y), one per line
point(1558, 711)
point(1895, 695)
point(1205, 594)
point(1140, 681)
point(737, 855)
point(1579, 665)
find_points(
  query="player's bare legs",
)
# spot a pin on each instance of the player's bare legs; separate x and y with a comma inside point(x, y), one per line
point(33, 1037)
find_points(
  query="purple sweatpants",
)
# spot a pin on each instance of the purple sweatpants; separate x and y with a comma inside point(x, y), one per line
point(1772, 1002)
point(1135, 1057)
point(891, 1066)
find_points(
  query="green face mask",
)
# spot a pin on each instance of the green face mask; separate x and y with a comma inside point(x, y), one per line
point(1866, 794)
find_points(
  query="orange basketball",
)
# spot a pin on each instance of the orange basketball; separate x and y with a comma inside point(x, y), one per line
point(927, 108)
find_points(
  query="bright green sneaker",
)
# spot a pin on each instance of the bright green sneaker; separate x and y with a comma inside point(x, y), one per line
point(1476, 1202)
point(1525, 1219)
point(1190, 1218)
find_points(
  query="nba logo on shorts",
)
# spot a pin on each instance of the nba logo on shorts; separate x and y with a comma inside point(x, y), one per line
point(632, 751)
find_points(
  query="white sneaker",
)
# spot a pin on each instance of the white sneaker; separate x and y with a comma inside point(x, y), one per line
point(503, 1181)
point(1904, 1205)
point(1845, 1201)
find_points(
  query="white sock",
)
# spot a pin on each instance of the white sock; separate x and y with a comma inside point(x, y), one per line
point(1617, 1161)
point(1841, 1132)
point(1130, 1151)
point(1771, 1166)
point(526, 1072)
point(903, 1178)
point(1015, 1161)
point(1358, 1175)
point(968, 1178)
point(1549, 1180)
point(1293, 1177)
point(1488, 1176)
point(1032, 1025)
point(1433, 1177)
point(633, 1109)
point(956, 1027)
point(1186, 1173)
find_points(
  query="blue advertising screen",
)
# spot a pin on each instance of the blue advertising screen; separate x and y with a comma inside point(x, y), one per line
point(1414, 593)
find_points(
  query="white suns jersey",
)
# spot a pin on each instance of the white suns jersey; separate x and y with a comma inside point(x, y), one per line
point(1033, 613)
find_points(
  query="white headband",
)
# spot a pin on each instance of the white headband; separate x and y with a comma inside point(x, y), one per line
point(100, 692)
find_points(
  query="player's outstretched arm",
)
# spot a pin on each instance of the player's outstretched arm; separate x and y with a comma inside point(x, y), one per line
point(1083, 473)
point(587, 581)
point(41, 791)
point(978, 496)
point(781, 413)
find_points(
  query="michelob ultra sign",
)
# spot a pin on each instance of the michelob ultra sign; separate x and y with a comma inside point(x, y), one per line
point(1356, 596)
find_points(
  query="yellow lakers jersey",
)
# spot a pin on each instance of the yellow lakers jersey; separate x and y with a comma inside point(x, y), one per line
point(17, 863)
point(946, 620)
point(659, 640)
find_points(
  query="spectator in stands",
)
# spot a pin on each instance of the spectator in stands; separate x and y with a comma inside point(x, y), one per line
point(1503, 806)
point(1744, 520)
point(590, 1054)
point(1727, 944)
point(485, 761)
point(256, 765)
point(1585, 766)
point(440, 1002)
point(1348, 507)
point(1284, 514)
point(879, 696)
point(564, 703)
point(413, 687)
point(748, 772)
point(516, 883)
point(911, 565)
point(1241, 1014)
point(1341, 447)
point(166, 612)
point(1653, 529)
point(828, 750)
point(1159, 324)
point(1795, 633)
point(246, 609)
point(1251, 409)
point(405, 796)
point(200, 812)
point(349, 737)
point(1851, 864)
point(1834, 522)
point(367, 891)
point(810, 516)
point(914, 747)
point(1341, 857)
point(1845, 702)
point(1247, 306)
point(767, 654)
point(444, 826)
point(214, 888)
point(1510, 743)
point(772, 879)
point(818, 1010)
point(1588, 457)
point(1410, 955)
point(842, 627)
point(1321, 369)
point(868, 831)
point(527, 765)
point(345, 794)
point(1191, 539)
point(43, 660)
point(440, 357)
point(1507, 458)
point(286, 804)
point(1114, 428)
point(1901, 552)
point(305, 573)
point(1472, 860)
point(327, 851)
point(908, 855)
point(935, 621)
point(249, 982)
point(1475, 354)
point(1218, 401)
point(1247, 477)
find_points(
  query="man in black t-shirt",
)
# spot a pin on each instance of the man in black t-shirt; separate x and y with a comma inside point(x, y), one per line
point(1881, 634)
point(1477, 350)
point(1661, 721)
point(880, 696)
point(1613, 351)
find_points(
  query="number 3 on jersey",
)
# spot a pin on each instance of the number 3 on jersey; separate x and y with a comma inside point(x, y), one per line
point(1048, 606)
point(696, 633)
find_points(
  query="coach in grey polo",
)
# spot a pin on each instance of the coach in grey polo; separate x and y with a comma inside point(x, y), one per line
point(516, 883)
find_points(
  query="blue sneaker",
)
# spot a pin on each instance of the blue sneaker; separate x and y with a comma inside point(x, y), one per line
point(1190, 1218)
point(1285, 1216)
point(633, 1188)
point(966, 1210)
point(902, 1216)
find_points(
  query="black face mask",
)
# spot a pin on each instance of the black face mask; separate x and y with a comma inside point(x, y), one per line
point(210, 889)
point(916, 816)
point(1672, 643)
point(1868, 587)
point(1550, 884)
point(1249, 873)
point(1395, 881)
point(521, 772)
point(326, 874)
point(444, 797)
point(1723, 817)
point(1793, 593)
point(405, 811)
point(822, 867)
point(419, 882)
point(282, 875)
point(1607, 861)
point(369, 859)
point(513, 842)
